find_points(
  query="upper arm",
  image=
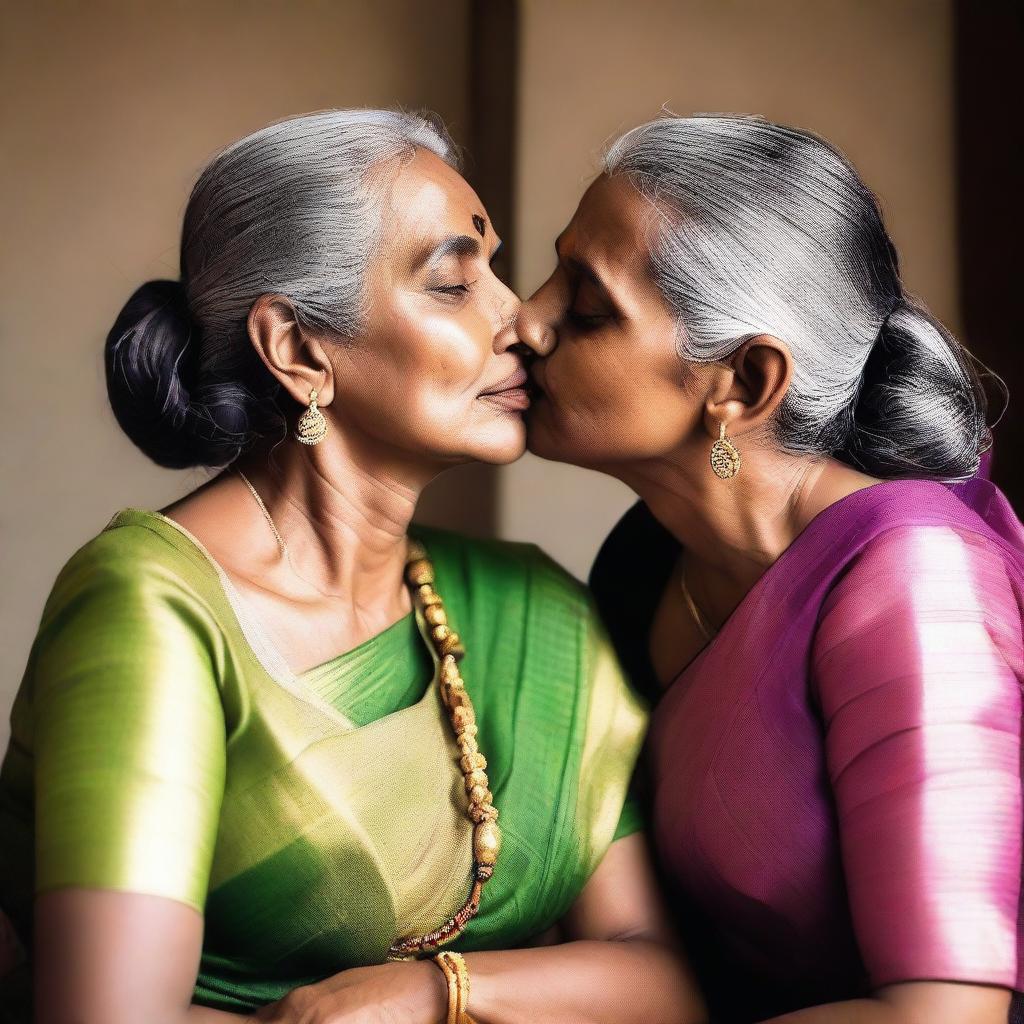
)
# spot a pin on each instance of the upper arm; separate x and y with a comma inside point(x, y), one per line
point(916, 663)
point(621, 898)
point(129, 759)
point(104, 957)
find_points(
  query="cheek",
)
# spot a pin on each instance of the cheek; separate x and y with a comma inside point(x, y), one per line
point(414, 383)
point(446, 371)
point(429, 360)
point(612, 401)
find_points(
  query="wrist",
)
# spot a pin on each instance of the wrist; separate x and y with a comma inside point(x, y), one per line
point(435, 988)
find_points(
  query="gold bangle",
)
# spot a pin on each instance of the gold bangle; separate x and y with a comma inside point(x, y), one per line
point(457, 975)
point(452, 981)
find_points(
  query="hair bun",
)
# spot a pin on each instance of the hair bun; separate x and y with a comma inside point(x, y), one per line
point(158, 392)
point(921, 409)
point(149, 373)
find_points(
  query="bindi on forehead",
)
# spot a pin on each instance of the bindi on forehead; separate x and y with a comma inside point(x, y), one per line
point(480, 224)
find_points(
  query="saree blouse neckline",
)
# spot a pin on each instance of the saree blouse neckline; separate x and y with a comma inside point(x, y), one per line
point(153, 751)
point(650, 574)
point(843, 509)
point(394, 665)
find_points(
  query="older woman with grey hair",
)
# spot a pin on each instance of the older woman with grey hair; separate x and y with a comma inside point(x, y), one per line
point(820, 589)
point(264, 737)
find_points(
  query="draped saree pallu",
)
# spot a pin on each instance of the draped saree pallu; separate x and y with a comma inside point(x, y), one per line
point(315, 818)
point(836, 778)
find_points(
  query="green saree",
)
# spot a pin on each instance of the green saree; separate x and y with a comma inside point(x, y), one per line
point(160, 745)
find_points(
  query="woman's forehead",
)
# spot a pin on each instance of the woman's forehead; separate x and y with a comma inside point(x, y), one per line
point(429, 199)
point(611, 228)
point(612, 221)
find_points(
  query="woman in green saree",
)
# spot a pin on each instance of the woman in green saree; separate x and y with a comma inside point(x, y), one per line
point(213, 814)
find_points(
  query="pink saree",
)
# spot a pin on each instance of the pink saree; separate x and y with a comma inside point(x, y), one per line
point(835, 780)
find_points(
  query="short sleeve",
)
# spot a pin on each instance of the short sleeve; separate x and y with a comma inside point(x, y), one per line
point(128, 730)
point(916, 664)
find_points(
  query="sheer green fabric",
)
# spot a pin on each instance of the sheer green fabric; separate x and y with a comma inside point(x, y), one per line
point(160, 745)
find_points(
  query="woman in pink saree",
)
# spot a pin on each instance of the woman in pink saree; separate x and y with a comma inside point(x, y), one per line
point(819, 587)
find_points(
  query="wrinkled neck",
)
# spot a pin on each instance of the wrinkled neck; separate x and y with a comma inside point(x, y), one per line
point(343, 509)
point(732, 530)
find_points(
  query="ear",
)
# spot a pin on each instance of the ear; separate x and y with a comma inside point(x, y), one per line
point(294, 356)
point(756, 380)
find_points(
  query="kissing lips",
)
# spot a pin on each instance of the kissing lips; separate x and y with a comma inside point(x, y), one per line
point(510, 394)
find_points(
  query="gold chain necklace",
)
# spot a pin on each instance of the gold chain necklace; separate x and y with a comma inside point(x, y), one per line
point(707, 630)
point(419, 577)
point(285, 550)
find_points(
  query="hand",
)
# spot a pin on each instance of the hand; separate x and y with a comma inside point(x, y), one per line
point(404, 992)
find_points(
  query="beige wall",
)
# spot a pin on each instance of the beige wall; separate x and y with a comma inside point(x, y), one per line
point(874, 76)
point(110, 110)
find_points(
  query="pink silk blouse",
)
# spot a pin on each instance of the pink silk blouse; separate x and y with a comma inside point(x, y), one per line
point(835, 780)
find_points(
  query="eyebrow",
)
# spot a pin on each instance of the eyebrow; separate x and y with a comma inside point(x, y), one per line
point(455, 245)
point(461, 246)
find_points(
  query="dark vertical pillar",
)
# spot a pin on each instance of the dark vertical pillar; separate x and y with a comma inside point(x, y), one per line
point(466, 499)
point(989, 50)
point(493, 92)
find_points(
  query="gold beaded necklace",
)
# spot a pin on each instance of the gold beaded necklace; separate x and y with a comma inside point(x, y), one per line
point(419, 577)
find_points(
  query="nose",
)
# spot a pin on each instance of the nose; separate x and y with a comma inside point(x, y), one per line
point(535, 323)
point(507, 306)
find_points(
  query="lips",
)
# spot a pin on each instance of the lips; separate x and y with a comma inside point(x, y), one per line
point(513, 382)
point(510, 394)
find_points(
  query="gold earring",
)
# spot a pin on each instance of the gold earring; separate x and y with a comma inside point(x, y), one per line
point(312, 427)
point(725, 457)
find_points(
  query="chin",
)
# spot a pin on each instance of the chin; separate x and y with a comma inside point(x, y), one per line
point(542, 439)
point(560, 445)
point(502, 446)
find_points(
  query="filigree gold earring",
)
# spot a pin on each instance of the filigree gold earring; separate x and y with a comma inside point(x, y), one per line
point(312, 427)
point(725, 457)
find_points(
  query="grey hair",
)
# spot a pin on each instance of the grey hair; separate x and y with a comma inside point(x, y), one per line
point(768, 229)
point(293, 209)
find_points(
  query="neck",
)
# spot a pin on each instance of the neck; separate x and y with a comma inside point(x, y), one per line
point(732, 530)
point(343, 509)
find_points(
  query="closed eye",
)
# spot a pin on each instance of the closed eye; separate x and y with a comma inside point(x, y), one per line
point(586, 320)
